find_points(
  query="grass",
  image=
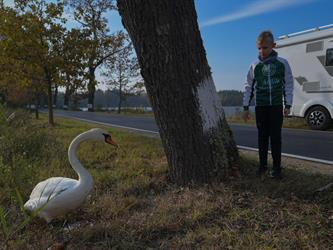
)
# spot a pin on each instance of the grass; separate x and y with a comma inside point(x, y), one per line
point(133, 206)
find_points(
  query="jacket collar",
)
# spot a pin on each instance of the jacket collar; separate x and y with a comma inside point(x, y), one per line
point(270, 58)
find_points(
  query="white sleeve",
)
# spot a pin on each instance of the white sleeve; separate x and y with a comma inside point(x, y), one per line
point(288, 84)
point(248, 91)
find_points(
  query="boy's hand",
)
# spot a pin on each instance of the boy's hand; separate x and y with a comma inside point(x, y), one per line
point(246, 115)
point(286, 111)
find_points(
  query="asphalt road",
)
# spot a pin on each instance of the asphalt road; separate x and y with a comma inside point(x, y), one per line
point(303, 143)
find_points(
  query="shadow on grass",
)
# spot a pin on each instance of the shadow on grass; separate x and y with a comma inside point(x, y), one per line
point(294, 184)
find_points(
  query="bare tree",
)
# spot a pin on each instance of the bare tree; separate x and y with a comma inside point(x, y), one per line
point(100, 44)
point(122, 71)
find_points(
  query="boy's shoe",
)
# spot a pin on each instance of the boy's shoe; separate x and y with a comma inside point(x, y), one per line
point(274, 174)
point(261, 170)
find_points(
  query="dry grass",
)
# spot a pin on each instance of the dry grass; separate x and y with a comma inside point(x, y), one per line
point(133, 206)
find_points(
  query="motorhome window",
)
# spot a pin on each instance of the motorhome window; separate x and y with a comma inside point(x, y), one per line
point(312, 47)
point(329, 57)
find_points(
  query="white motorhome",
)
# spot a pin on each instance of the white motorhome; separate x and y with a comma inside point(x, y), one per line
point(310, 55)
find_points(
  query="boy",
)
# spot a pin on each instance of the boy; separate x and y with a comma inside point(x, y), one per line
point(270, 82)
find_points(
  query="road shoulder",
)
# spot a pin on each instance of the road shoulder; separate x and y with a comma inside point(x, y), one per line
point(296, 164)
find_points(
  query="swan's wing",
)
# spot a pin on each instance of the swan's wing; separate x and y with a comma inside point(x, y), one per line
point(51, 187)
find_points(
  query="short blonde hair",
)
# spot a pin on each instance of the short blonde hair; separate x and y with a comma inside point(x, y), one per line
point(265, 36)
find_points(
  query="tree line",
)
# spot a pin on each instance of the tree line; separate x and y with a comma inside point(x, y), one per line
point(111, 98)
point(39, 53)
point(107, 98)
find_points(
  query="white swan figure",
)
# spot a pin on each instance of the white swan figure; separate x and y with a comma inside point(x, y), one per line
point(58, 195)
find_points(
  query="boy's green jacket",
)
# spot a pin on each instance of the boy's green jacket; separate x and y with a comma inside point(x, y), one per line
point(270, 82)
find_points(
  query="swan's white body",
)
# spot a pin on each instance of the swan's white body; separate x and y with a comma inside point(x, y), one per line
point(58, 195)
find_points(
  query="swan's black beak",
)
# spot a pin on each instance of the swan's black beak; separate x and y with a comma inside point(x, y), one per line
point(108, 139)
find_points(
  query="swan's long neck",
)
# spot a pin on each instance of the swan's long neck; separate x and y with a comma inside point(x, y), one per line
point(85, 178)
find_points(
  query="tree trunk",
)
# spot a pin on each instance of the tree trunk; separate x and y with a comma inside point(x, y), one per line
point(45, 99)
point(49, 99)
point(120, 100)
point(55, 97)
point(37, 106)
point(66, 98)
point(198, 142)
point(3, 98)
point(76, 104)
point(91, 89)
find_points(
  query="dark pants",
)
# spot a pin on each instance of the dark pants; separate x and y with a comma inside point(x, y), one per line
point(269, 122)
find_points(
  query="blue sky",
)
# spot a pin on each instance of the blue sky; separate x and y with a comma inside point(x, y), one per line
point(229, 30)
point(230, 45)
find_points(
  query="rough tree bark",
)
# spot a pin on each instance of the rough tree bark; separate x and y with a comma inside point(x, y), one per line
point(198, 142)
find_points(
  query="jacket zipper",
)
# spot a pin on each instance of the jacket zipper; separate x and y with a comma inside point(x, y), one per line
point(270, 84)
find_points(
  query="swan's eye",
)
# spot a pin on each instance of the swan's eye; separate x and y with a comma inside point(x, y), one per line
point(106, 136)
point(108, 139)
